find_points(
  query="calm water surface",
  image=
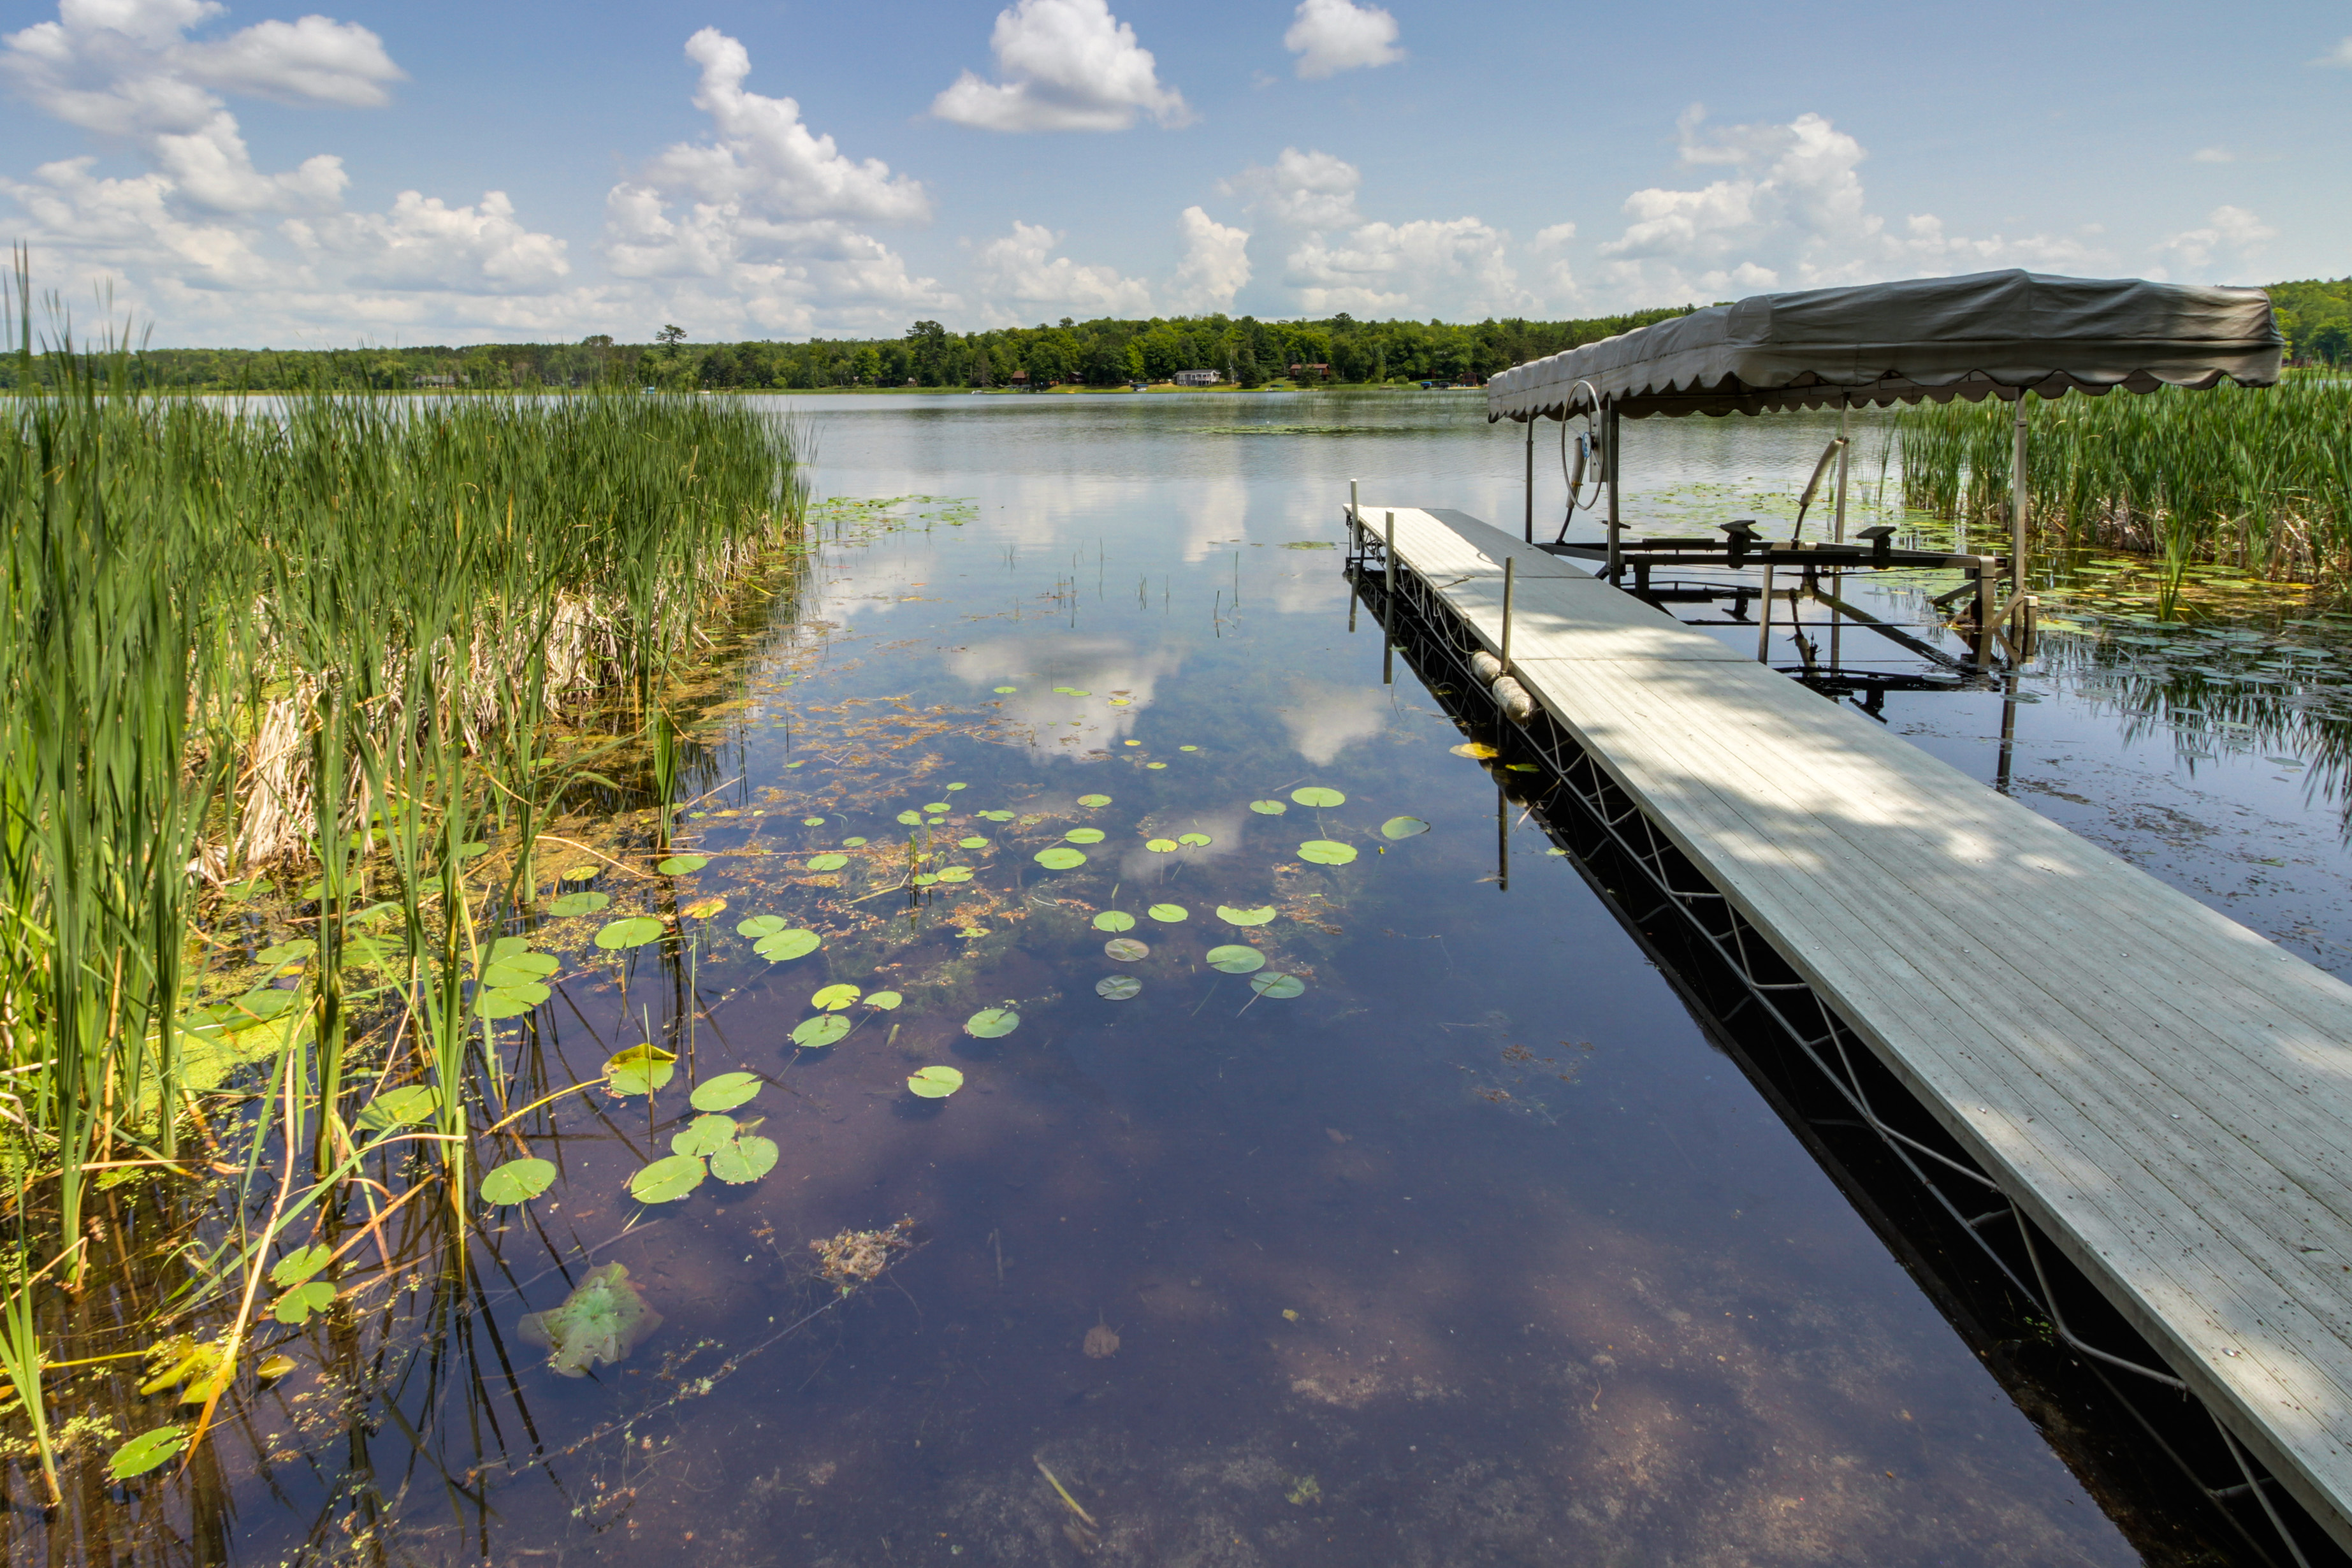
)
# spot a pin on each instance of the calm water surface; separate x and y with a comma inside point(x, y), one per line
point(1472, 1251)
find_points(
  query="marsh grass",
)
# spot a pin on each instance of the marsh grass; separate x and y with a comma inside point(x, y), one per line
point(2258, 478)
point(348, 656)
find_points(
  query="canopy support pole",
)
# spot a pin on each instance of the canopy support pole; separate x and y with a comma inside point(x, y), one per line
point(1609, 467)
point(1530, 530)
point(2017, 501)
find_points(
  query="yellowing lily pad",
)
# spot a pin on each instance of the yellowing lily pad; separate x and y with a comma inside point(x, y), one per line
point(702, 909)
point(1477, 750)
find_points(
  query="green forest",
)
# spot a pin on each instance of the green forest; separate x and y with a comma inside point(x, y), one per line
point(2314, 315)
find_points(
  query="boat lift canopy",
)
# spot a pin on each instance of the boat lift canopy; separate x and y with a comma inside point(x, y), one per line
point(1990, 334)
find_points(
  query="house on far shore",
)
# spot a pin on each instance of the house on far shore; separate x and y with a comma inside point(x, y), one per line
point(1197, 377)
point(434, 381)
point(1320, 372)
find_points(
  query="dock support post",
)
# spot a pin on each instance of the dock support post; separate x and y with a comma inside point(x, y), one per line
point(1388, 607)
point(2017, 501)
point(1609, 467)
point(1837, 519)
point(1502, 835)
point(1510, 575)
point(1355, 514)
point(1527, 530)
point(1764, 619)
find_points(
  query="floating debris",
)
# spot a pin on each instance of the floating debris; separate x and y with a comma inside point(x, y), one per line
point(855, 1257)
point(599, 1322)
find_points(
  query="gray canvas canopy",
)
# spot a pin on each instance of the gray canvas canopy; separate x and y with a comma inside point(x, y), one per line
point(1935, 338)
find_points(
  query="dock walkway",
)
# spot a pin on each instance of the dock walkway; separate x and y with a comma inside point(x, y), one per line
point(2166, 1094)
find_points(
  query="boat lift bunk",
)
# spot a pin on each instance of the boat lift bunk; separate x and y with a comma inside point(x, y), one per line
point(1993, 334)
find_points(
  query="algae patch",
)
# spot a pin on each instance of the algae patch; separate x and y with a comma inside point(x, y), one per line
point(603, 1321)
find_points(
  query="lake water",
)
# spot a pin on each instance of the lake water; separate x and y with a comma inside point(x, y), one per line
point(1463, 1246)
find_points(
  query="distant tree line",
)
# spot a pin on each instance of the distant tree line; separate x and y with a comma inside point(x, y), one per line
point(2316, 316)
point(1105, 352)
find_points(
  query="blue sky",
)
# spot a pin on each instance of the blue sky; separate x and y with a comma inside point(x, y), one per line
point(430, 171)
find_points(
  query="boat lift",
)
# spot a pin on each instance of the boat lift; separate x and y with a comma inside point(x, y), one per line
point(1992, 334)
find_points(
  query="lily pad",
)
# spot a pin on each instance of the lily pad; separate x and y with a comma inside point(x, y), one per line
point(937, 807)
point(1324, 852)
point(1237, 959)
point(853, 843)
point(935, 1083)
point(884, 1000)
point(512, 968)
point(1127, 949)
point(1168, 914)
point(759, 926)
point(747, 1158)
point(1477, 750)
point(702, 909)
point(1114, 919)
point(668, 1179)
point(1195, 840)
point(640, 1069)
point(1093, 800)
point(397, 1108)
point(1083, 835)
point(302, 1263)
point(149, 1450)
point(285, 952)
point(1316, 794)
point(1263, 915)
point(786, 945)
point(725, 1091)
point(811, 822)
point(703, 1135)
point(679, 865)
point(518, 1001)
point(1161, 846)
point(991, 1023)
point(1060, 857)
point(827, 862)
point(995, 815)
point(912, 818)
point(825, 1029)
point(975, 842)
point(1277, 986)
point(1268, 807)
point(833, 998)
point(1403, 827)
point(518, 1180)
point(1004, 690)
point(296, 1306)
point(955, 873)
point(601, 1322)
point(629, 931)
point(584, 873)
point(1119, 987)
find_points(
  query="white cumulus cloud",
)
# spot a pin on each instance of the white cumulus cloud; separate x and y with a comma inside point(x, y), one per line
point(1067, 65)
point(2228, 232)
point(1789, 212)
point(1334, 35)
point(424, 242)
point(1020, 279)
point(2341, 55)
point(1300, 190)
point(1334, 258)
point(1214, 268)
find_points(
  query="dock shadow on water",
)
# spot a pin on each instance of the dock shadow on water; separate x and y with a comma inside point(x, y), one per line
point(1072, 1081)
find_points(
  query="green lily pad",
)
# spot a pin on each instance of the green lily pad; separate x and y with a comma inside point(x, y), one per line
point(514, 968)
point(1324, 852)
point(1161, 846)
point(1004, 690)
point(1114, 919)
point(937, 808)
point(1235, 958)
point(995, 815)
point(975, 842)
point(759, 926)
point(519, 1001)
point(1195, 840)
point(601, 1322)
point(1268, 807)
point(703, 1135)
point(667, 1180)
point(786, 945)
point(679, 865)
point(149, 1450)
point(1060, 857)
point(640, 1069)
point(1277, 986)
point(1093, 800)
point(1083, 835)
point(955, 873)
point(1263, 914)
point(1168, 914)
point(853, 843)
point(518, 1180)
point(958, 786)
point(1127, 949)
point(725, 1091)
point(584, 873)
point(747, 1158)
point(825, 1029)
point(256, 1007)
point(1316, 794)
point(935, 1083)
point(833, 998)
point(989, 1023)
point(811, 822)
point(302, 1263)
point(1403, 827)
point(296, 1306)
point(884, 1000)
point(912, 818)
point(1118, 988)
point(285, 952)
point(827, 862)
point(396, 1108)
point(629, 931)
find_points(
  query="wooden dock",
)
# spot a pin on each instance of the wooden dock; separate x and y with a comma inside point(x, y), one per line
point(2166, 1095)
